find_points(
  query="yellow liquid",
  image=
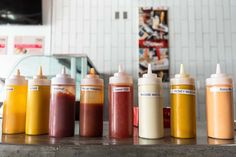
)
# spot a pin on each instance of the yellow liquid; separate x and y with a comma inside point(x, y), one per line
point(183, 113)
point(37, 115)
point(14, 109)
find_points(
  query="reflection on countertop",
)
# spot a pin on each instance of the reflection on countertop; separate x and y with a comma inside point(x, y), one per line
point(22, 139)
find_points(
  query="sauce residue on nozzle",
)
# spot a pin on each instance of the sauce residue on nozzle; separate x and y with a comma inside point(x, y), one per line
point(92, 71)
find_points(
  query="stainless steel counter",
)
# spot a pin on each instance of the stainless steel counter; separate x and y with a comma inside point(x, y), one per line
point(23, 145)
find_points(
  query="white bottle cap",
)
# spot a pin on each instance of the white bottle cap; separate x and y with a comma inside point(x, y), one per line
point(182, 78)
point(121, 77)
point(16, 79)
point(92, 79)
point(149, 78)
point(63, 79)
point(40, 79)
point(219, 78)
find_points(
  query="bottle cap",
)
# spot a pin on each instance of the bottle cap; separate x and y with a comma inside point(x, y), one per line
point(16, 79)
point(149, 78)
point(63, 78)
point(40, 79)
point(219, 78)
point(182, 78)
point(92, 79)
point(121, 77)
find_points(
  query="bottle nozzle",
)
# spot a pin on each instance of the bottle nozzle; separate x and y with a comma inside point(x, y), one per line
point(18, 72)
point(218, 71)
point(121, 69)
point(181, 69)
point(149, 68)
point(92, 71)
point(63, 71)
point(40, 71)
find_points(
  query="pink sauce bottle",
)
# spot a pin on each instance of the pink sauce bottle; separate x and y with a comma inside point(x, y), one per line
point(62, 106)
point(219, 106)
point(120, 105)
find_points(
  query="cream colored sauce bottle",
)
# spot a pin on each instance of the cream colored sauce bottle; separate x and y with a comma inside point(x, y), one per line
point(219, 106)
point(150, 106)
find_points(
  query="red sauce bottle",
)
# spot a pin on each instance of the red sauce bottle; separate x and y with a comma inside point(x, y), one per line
point(120, 105)
point(91, 105)
point(62, 106)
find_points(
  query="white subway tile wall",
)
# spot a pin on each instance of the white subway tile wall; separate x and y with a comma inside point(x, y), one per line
point(202, 33)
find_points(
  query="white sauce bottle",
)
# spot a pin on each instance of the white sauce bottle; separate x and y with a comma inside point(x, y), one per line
point(150, 106)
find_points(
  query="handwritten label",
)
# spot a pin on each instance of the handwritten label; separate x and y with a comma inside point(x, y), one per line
point(88, 88)
point(149, 94)
point(182, 91)
point(121, 89)
point(9, 89)
point(33, 88)
point(58, 89)
point(221, 89)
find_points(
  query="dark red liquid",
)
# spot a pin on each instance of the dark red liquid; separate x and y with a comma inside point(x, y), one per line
point(62, 115)
point(120, 113)
point(91, 120)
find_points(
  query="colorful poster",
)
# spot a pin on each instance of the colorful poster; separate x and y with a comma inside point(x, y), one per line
point(153, 41)
point(29, 45)
point(3, 45)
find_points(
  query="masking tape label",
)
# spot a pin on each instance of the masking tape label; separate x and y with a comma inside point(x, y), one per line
point(9, 89)
point(182, 91)
point(221, 89)
point(149, 94)
point(89, 88)
point(33, 88)
point(58, 89)
point(121, 89)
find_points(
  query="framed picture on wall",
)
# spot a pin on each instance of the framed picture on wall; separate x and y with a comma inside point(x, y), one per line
point(29, 45)
point(3, 45)
point(154, 41)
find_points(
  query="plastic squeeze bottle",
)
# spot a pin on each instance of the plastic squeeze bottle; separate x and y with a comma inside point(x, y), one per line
point(120, 105)
point(38, 100)
point(62, 106)
point(91, 105)
point(150, 106)
point(14, 105)
point(183, 105)
point(219, 105)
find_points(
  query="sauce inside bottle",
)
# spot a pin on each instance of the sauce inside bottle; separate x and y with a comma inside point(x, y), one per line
point(14, 105)
point(38, 100)
point(183, 106)
point(120, 105)
point(62, 106)
point(219, 106)
point(91, 105)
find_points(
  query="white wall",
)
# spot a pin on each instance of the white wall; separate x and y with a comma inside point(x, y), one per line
point(43, 30)
point(202, 33)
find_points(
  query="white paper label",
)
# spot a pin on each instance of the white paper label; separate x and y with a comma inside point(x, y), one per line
point(58, 89)
point(88, 88)
point(9, 89)
point(149, 94)
point(121, 89)
point(33, 88)
point(182, 91)
point(221, 89)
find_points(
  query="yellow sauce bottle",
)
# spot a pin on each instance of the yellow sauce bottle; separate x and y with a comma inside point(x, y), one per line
point(183, 106)
point(37, 113)
point(14, 105)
